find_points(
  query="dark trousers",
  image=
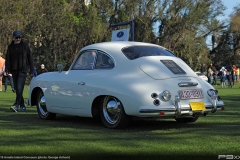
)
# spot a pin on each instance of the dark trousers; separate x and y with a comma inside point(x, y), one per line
point(19, 79)
point(214, 81)
point(6, 82)
point(230, 84)
point(233, 80)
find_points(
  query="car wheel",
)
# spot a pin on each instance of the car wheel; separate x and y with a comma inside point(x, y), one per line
point(187, 120)
point(41, 107)
point(112, 113)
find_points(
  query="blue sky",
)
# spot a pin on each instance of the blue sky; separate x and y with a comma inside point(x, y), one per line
point(229, 4)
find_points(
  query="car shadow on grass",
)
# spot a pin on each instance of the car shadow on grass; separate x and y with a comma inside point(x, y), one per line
point(139, 124)
point(31, 118)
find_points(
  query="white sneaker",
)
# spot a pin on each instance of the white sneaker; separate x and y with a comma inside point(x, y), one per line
point(14, 108)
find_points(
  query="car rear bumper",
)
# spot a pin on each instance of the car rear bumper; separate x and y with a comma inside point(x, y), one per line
point(175, 111)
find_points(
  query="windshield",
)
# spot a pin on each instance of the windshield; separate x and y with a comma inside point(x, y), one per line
point(135, 52)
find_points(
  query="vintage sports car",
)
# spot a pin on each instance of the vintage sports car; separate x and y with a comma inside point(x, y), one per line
point(117, 81)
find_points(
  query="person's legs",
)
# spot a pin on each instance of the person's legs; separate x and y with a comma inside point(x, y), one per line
point(20, 87)
point(15, 79)
point(11, 83)
point(19, 82)
point(209, 80)
point(5, 82)
point(1, 82)
point(214, 81)
point(223, 81)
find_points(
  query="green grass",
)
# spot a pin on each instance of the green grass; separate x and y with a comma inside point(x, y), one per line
point(24, 134)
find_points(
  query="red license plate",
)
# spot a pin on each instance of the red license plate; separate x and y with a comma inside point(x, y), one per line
point(191, 93)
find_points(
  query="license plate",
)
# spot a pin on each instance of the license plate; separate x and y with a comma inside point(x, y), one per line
point(197, 106)
point(191, 93)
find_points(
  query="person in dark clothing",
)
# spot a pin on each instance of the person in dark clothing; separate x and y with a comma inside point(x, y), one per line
point(230, 80)
point(214, 78)
point(19, 62)
point(210, 66)
point(233, 74)
point(42, 69)
point(203, 68)
point(34, 72)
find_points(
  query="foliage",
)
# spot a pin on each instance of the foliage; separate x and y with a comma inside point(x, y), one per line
point(57, 29)
point(227, 52)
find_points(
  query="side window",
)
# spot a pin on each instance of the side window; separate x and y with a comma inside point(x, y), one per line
point(85, 61)
point(104, 61)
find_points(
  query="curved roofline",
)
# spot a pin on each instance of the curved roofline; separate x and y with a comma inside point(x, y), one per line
point(118, 44)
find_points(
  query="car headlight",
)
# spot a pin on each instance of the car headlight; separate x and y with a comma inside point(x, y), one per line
point(165, 95)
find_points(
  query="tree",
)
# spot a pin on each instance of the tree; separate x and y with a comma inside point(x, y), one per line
point(227, 52)
point(58, 29)
point(183, 30)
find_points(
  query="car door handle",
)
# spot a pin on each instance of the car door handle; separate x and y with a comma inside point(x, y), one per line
point(82, 83)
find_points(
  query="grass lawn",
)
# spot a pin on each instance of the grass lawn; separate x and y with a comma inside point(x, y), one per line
point(24, 134)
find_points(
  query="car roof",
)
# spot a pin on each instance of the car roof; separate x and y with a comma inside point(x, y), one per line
point(114, 49)
point(116, 45)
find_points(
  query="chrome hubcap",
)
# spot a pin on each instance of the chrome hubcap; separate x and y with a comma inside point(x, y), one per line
point(42, 105)
point(111, 110)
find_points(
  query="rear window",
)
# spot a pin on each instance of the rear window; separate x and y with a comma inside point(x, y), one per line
point(135, 52)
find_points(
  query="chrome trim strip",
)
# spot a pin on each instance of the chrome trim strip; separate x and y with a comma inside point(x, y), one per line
point(187, 84)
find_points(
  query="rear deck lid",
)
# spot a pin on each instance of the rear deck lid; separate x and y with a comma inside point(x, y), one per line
point(166, 67)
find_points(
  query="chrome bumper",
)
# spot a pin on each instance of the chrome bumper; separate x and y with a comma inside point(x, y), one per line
point(181, 110)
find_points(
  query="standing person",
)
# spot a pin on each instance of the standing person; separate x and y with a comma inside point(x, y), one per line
point(215, 78)
point(2, 62)
point(42, 69)
point(19, 62)
point(203, 68)
point(237, 74)
point(233, 72)
point(210, 66)
point(230, 79)
point(227, 74)
point(91, 58)
point(6, 77)
point(223, 77)
point(34, 72)
point(210, 76)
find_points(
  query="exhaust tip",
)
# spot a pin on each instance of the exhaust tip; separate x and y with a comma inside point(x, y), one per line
point(156, 102)
point(154, 95)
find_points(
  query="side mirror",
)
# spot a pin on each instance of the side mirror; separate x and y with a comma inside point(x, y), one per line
point(60, 67)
